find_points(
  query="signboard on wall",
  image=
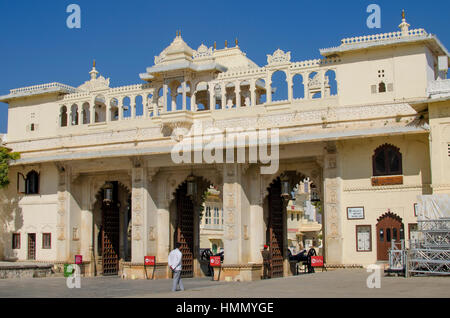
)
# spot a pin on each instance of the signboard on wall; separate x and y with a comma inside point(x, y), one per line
point(214, 261)
point(355, 213)
point(149, 260)
point(78, 259)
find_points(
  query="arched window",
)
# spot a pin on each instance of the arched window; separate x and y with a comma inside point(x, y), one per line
point(386, 161)
point(381, 87)
point(63, 116)
point(32, 183)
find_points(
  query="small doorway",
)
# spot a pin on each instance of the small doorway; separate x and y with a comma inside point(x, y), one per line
point(31, 246)
point(389, 227)
point(110, 239)
point(184, 232)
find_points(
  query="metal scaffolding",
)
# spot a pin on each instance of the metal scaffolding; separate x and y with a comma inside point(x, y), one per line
point(431, 254)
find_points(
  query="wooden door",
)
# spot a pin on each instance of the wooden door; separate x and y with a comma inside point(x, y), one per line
point(275, 230)
point(389, 227)
point(185, 231)
point(110, 240)
point(32, 246)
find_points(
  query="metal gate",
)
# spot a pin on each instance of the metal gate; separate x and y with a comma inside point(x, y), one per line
point(31, 246)
point(110, 240)
point(185, 231)
point(275, 229)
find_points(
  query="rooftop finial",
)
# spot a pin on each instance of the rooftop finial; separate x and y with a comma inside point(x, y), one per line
point(236, 41)
point(226, 43)
point(93, 72)
point(177, 32)
point(215, 45)
point(404, 26)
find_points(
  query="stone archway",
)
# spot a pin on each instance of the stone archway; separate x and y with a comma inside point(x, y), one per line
point(111, 239)
point(186, 215)
point(276, 220)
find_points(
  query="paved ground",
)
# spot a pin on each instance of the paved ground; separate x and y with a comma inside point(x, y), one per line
point(331, 284)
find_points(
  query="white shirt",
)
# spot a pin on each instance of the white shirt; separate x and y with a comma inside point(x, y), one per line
point(175, 259)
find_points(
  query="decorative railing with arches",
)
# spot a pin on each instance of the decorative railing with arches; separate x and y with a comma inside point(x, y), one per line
point(234, 89)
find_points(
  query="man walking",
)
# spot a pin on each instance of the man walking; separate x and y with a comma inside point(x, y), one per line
point(266, 262)
point(175, 257)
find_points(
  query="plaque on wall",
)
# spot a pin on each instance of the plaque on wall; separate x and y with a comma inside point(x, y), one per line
point(355, 213)
point(390, 180)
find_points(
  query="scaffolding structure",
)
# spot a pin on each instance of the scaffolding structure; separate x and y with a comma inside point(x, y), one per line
point(430, 255)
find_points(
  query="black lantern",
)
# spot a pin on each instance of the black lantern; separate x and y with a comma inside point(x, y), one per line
point(108, 193)
point(285, 187)
point(191, 186)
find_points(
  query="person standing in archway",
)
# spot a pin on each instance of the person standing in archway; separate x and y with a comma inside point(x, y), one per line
point(266, 262)
point(174, 261)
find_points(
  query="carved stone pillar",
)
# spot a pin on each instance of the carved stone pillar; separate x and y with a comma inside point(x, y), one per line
point(108, 111)
point(193, 102)
point(133, 106)
point(165, 102)
point(145, 106)
point(237, 89)
point(212, 98)
point(305, 78)
point(232, 213)
point(92, 111)
point(223, 92)
point(269, 90)
point(252, 92)
point(63, 214)
point(289, 87)
point(332, 205)
point(138, 213)
point(183, 86)
point(120, 107)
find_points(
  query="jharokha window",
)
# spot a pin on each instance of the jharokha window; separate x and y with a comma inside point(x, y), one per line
point(387, 161)
point(16, 241)
point(28, 184)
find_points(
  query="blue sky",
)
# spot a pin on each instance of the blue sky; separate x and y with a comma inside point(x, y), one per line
point(124, 36)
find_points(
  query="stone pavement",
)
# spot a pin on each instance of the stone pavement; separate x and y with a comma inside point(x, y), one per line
point(331, 284)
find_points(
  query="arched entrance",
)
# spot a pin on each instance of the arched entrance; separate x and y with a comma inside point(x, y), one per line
point(184, 231)
point(112, 220)
point(280, 191)
point(189, 198)
point(389, 227)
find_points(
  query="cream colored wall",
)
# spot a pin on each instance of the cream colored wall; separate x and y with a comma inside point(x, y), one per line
point(30, 214)
point(357, 189)
point(404, 66)
point(46, 112)
point(440, 146)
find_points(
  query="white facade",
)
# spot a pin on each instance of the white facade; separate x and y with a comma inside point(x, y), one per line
point(78, 139)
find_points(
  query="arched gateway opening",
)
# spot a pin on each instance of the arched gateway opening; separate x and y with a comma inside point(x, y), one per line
point(285, 189)
point(187, 209)
point(112, 228)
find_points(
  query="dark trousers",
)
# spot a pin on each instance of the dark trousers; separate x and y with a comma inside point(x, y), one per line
point(266, 271)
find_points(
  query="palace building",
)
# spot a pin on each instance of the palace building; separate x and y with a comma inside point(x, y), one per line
point(367, 125)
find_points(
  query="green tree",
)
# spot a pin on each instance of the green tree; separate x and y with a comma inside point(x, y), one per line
point(5, 157)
